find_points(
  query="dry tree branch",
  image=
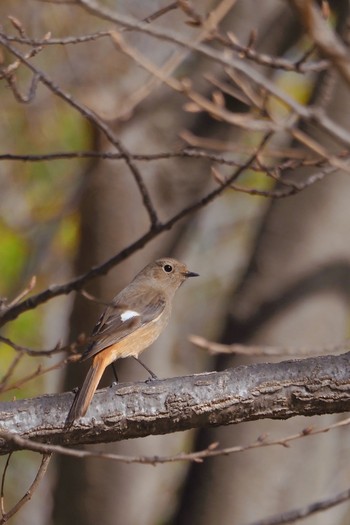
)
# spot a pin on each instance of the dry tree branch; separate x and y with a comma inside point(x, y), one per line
point(175, 60)
point(324, 37)
point(2, 506)
point(265, 390)
point(23, 99)
point(78, 282)
point(96, 121)
point(155, 31)
point(50, 41)
point(187, 152)
point(260, 350)
point(246, 121)
point(5, 516)
point(315, 147)
point(183, 153)
point(292, 188)
point(198, 101)
point(27, 289)
point(212, 450)
point(7, 376)
point(300, 66)
point(39, 371)
point(206, 143)
point(71, 347)
point(31, 351)
point(299, 514)
point(314, 115)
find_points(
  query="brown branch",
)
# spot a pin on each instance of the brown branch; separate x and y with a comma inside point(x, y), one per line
point(308, 114)
point(80, 281)
point(277, 390)
point(161, 12)
point(22, 98)
point(299, 66)
point(183, 153)
point(29, 493)
point(298, 514)
point(197, 101)
point(176, 58)
point(39, 371)
point(7, 376)
point(36, 353)
point(324, 37)
point(259, 350)
point(212, 450)
point(92, 117)
point(187, 152)
point(42, 42)
point(3, 477)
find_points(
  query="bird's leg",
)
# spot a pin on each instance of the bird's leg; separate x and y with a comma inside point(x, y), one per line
point(115, 374)
point(153, 375)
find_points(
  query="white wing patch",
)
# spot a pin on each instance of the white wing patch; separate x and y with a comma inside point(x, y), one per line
point(128, 314)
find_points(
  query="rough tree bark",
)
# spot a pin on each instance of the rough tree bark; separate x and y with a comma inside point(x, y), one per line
point(278, 391)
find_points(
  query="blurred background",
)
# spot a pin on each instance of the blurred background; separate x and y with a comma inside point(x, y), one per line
point(273, 271)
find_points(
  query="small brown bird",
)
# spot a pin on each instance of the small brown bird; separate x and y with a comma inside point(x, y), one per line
point(135, 319)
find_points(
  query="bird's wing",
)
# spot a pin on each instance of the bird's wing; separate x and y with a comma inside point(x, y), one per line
point(120, 320)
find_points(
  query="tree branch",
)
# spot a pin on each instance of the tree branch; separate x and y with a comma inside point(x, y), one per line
point(299, 514)
point(271, 390)
point(5, 516)
point(77, 283)
point(324, 37)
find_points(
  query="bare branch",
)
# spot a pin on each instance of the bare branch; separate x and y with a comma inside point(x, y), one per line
point(323, 36)
point(295, 515)
point(7, 376)
point(79, 282)
point(29, 288)
point(96, 121)
point(308, 114)
point(212, 450)
point(28, 495)
point(199, 102)
point(269, 390)
point(258, 350)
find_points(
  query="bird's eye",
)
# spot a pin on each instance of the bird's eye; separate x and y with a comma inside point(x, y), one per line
point(168, 268)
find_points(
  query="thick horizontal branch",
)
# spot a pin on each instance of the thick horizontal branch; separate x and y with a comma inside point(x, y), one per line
point(306, 387)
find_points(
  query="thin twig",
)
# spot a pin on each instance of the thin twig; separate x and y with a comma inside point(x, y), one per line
point(299, 514)
point(29, 288)
point(39, 371)
point(6, 377)
point(327, 41)
point(211, 451)
point(92, 117)
point(306, 113)
point(3, 477)
point(258, 350)
point(29, 493)
point(198, 101)
point(299, 66)
point(78, 282)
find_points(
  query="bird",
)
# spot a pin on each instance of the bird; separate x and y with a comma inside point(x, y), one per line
point(134, 319)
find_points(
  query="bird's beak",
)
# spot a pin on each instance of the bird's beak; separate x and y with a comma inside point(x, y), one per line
point(190, 274)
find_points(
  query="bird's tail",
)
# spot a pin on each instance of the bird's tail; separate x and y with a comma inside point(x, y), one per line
point(84, 395)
